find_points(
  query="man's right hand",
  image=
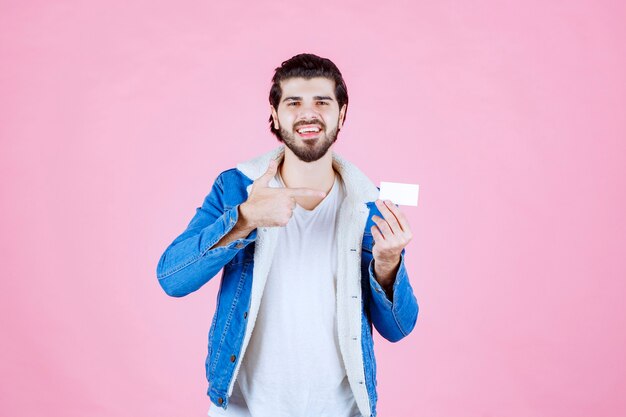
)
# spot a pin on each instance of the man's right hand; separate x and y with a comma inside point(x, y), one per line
point(267, 206)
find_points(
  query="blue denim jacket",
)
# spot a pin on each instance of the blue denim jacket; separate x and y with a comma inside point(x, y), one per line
point(189, 262)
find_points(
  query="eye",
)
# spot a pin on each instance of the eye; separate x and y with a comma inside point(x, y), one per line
point(292, 103)
point(323, 102)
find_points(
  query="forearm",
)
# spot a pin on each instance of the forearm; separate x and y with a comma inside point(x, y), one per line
point(385, 274)
point(241, 230)
point(189, 261)
point(393, 314)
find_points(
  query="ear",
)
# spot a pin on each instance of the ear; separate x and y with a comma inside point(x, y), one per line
point(342, 115)
point(274, 117)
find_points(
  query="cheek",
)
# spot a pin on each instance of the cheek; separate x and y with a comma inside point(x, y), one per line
point(285, 118)
point(285, 121)
point(331, 119)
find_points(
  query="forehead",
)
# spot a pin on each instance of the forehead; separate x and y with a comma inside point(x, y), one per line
point(318, 86)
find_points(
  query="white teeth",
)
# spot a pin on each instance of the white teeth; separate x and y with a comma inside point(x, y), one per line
point(308, 129)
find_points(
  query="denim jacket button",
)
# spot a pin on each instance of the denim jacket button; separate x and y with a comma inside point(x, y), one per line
point(232, 358)
point(220, 400)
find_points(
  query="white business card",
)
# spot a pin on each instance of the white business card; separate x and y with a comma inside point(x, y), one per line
point(399, 193)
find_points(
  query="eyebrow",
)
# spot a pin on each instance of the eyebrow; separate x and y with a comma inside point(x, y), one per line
point(314, 98)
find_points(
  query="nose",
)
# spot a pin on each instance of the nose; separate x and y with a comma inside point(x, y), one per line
point(308, 113)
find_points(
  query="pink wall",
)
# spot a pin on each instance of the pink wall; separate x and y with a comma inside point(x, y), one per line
point(116, 116)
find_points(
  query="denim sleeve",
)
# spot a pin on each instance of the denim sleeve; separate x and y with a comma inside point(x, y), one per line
point(394, 319)
point(188, 262)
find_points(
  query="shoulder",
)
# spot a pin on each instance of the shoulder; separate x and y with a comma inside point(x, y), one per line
point(233, 186)
point(233, 177)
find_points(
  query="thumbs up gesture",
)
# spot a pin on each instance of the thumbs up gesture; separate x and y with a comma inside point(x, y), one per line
point(267, 206)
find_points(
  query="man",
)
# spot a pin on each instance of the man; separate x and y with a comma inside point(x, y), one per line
point(311, 259)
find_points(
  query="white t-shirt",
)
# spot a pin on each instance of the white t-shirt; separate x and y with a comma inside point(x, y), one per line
point(292, 366)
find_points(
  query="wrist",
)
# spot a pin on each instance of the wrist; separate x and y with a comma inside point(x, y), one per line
point(385, 272)
point(387, 265)
point(244, 220)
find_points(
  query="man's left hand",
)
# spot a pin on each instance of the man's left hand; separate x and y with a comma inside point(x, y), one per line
point(391, 234)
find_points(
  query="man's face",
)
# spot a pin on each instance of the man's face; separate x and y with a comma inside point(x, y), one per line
point(308, 117)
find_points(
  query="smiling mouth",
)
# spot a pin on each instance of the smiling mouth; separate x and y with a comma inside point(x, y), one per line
point(309, 132)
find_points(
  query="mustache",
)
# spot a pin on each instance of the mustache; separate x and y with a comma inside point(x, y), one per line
point(311, 122)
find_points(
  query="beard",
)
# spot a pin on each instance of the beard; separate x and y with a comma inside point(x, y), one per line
point(309, 150)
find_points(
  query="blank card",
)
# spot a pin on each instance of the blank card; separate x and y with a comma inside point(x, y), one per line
point(399, 193)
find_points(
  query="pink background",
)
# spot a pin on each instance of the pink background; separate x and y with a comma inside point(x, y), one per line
point(116, 117)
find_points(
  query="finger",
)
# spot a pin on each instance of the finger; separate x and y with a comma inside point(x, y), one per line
point(383, 225)
point(303, 192)
point(264, 179)
point(378, 236)
point(402, 221)
point(389, 216)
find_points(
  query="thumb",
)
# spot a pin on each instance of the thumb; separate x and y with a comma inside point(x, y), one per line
point(264, 179)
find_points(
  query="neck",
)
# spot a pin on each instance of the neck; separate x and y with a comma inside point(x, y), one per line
point(318, 175)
